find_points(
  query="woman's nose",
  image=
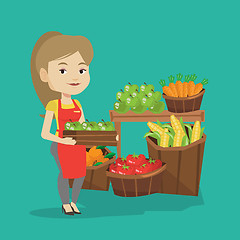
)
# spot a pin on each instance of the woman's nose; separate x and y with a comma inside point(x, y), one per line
point(75, 79)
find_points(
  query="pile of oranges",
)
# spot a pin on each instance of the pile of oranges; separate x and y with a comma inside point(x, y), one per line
point(94, 156)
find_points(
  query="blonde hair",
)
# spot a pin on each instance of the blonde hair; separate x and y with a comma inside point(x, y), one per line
point(51, 46)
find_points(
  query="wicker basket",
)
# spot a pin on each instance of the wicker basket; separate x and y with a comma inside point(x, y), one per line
point(137, 185)
point(184, 166)
point(96, 178)
point(184, 104)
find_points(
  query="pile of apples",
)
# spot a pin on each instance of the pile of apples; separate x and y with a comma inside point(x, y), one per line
point(139, 99)
point(90, 126)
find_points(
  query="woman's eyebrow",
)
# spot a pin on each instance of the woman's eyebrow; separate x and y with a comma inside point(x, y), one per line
point(62, 63)
point(82, 63)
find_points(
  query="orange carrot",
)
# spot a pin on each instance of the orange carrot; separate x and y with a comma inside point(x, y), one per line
point(179, 85)
point(199, 86)
point(185, 86)
point(191, 85)
point(167, 90)
point(172, 86)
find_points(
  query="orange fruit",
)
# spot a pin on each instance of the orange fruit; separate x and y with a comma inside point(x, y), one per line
point(95, 153)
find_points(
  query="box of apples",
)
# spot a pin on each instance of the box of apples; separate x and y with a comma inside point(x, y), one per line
point(139, 99)
point(136, 176)
point(92, 133)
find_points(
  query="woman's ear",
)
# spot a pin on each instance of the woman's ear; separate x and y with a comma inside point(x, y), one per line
point(43, 75)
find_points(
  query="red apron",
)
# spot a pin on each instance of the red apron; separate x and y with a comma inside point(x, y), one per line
point(72, 157)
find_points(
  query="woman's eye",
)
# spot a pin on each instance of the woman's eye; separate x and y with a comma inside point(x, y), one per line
point(63, 71)
point(82, 71)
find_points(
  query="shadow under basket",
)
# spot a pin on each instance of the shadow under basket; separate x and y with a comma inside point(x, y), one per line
point(96, 178)
point(137, 185)
point(184, 104)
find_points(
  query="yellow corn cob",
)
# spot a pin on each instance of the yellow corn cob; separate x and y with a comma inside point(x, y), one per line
point(154, 127)
point(177, 141)
point(176, 125)
point(164, 139)
point(196, 131)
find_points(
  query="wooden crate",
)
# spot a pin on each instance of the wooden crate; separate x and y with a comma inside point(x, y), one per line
point(184, 166)
point(93, 138)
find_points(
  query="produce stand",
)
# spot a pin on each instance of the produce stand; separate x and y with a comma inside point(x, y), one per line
point(147, 116)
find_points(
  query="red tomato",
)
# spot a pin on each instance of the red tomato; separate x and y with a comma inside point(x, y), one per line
point(126, 170)
point(155, 163)
point(141, 156)
point(121, 161)
point(135, 160)
point(145, 168)
point(113, 168)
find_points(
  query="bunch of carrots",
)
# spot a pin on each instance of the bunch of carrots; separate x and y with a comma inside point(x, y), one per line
point(182, 89)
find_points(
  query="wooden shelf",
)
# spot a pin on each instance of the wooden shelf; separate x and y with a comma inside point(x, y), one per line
point(147, 116)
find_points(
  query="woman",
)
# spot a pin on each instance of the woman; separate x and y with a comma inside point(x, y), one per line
point(60, 69)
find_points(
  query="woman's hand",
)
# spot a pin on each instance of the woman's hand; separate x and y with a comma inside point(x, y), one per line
point(68, 141)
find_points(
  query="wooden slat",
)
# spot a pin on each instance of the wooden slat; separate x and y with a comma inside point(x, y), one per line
point(92, 138)
point(162, 117)
point(89, 133)
point(96, 143)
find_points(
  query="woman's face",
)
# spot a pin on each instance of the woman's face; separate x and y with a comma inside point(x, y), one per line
point(69, 75)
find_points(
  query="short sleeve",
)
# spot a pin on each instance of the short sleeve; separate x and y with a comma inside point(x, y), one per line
point(51, 106)
point(78, 103)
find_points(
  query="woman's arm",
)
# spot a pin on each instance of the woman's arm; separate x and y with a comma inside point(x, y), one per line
point(82, 118)
point(45, 134)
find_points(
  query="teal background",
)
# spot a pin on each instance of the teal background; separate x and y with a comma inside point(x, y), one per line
point(133, 41)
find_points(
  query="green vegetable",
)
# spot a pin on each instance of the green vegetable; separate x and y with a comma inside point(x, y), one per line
point(201, 133)
point(189, 130)
point(158, 123)
point(100, 147)
point(185, 141)
point(110, 155)
point(171, 137)
point(98, 163)
point(155, 135)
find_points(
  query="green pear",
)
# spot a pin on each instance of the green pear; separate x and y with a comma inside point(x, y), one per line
point(142, 88)
point(147, 101)
point(157, 95)
point(139, 109)
point(122, 95)
point(157, 107)
point(149, 88)
point(120, 107)
point(85, 125)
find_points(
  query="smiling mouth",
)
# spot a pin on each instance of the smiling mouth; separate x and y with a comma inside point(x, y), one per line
point(74, 84)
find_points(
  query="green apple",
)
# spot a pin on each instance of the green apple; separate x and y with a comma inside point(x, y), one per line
point(139, 109)
point(157, 107)
point(131, 88)
point(78, 126)
point(120, 107)
point(141, 94)
point(157, 95)
point(149, 88)
point(122, 95)
point(142, 88)
point(110, 124)
point(85, 125)
point(67, 125)
point(129, 101)
point(147, 101)
point(127, 87)
point(100, 124)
